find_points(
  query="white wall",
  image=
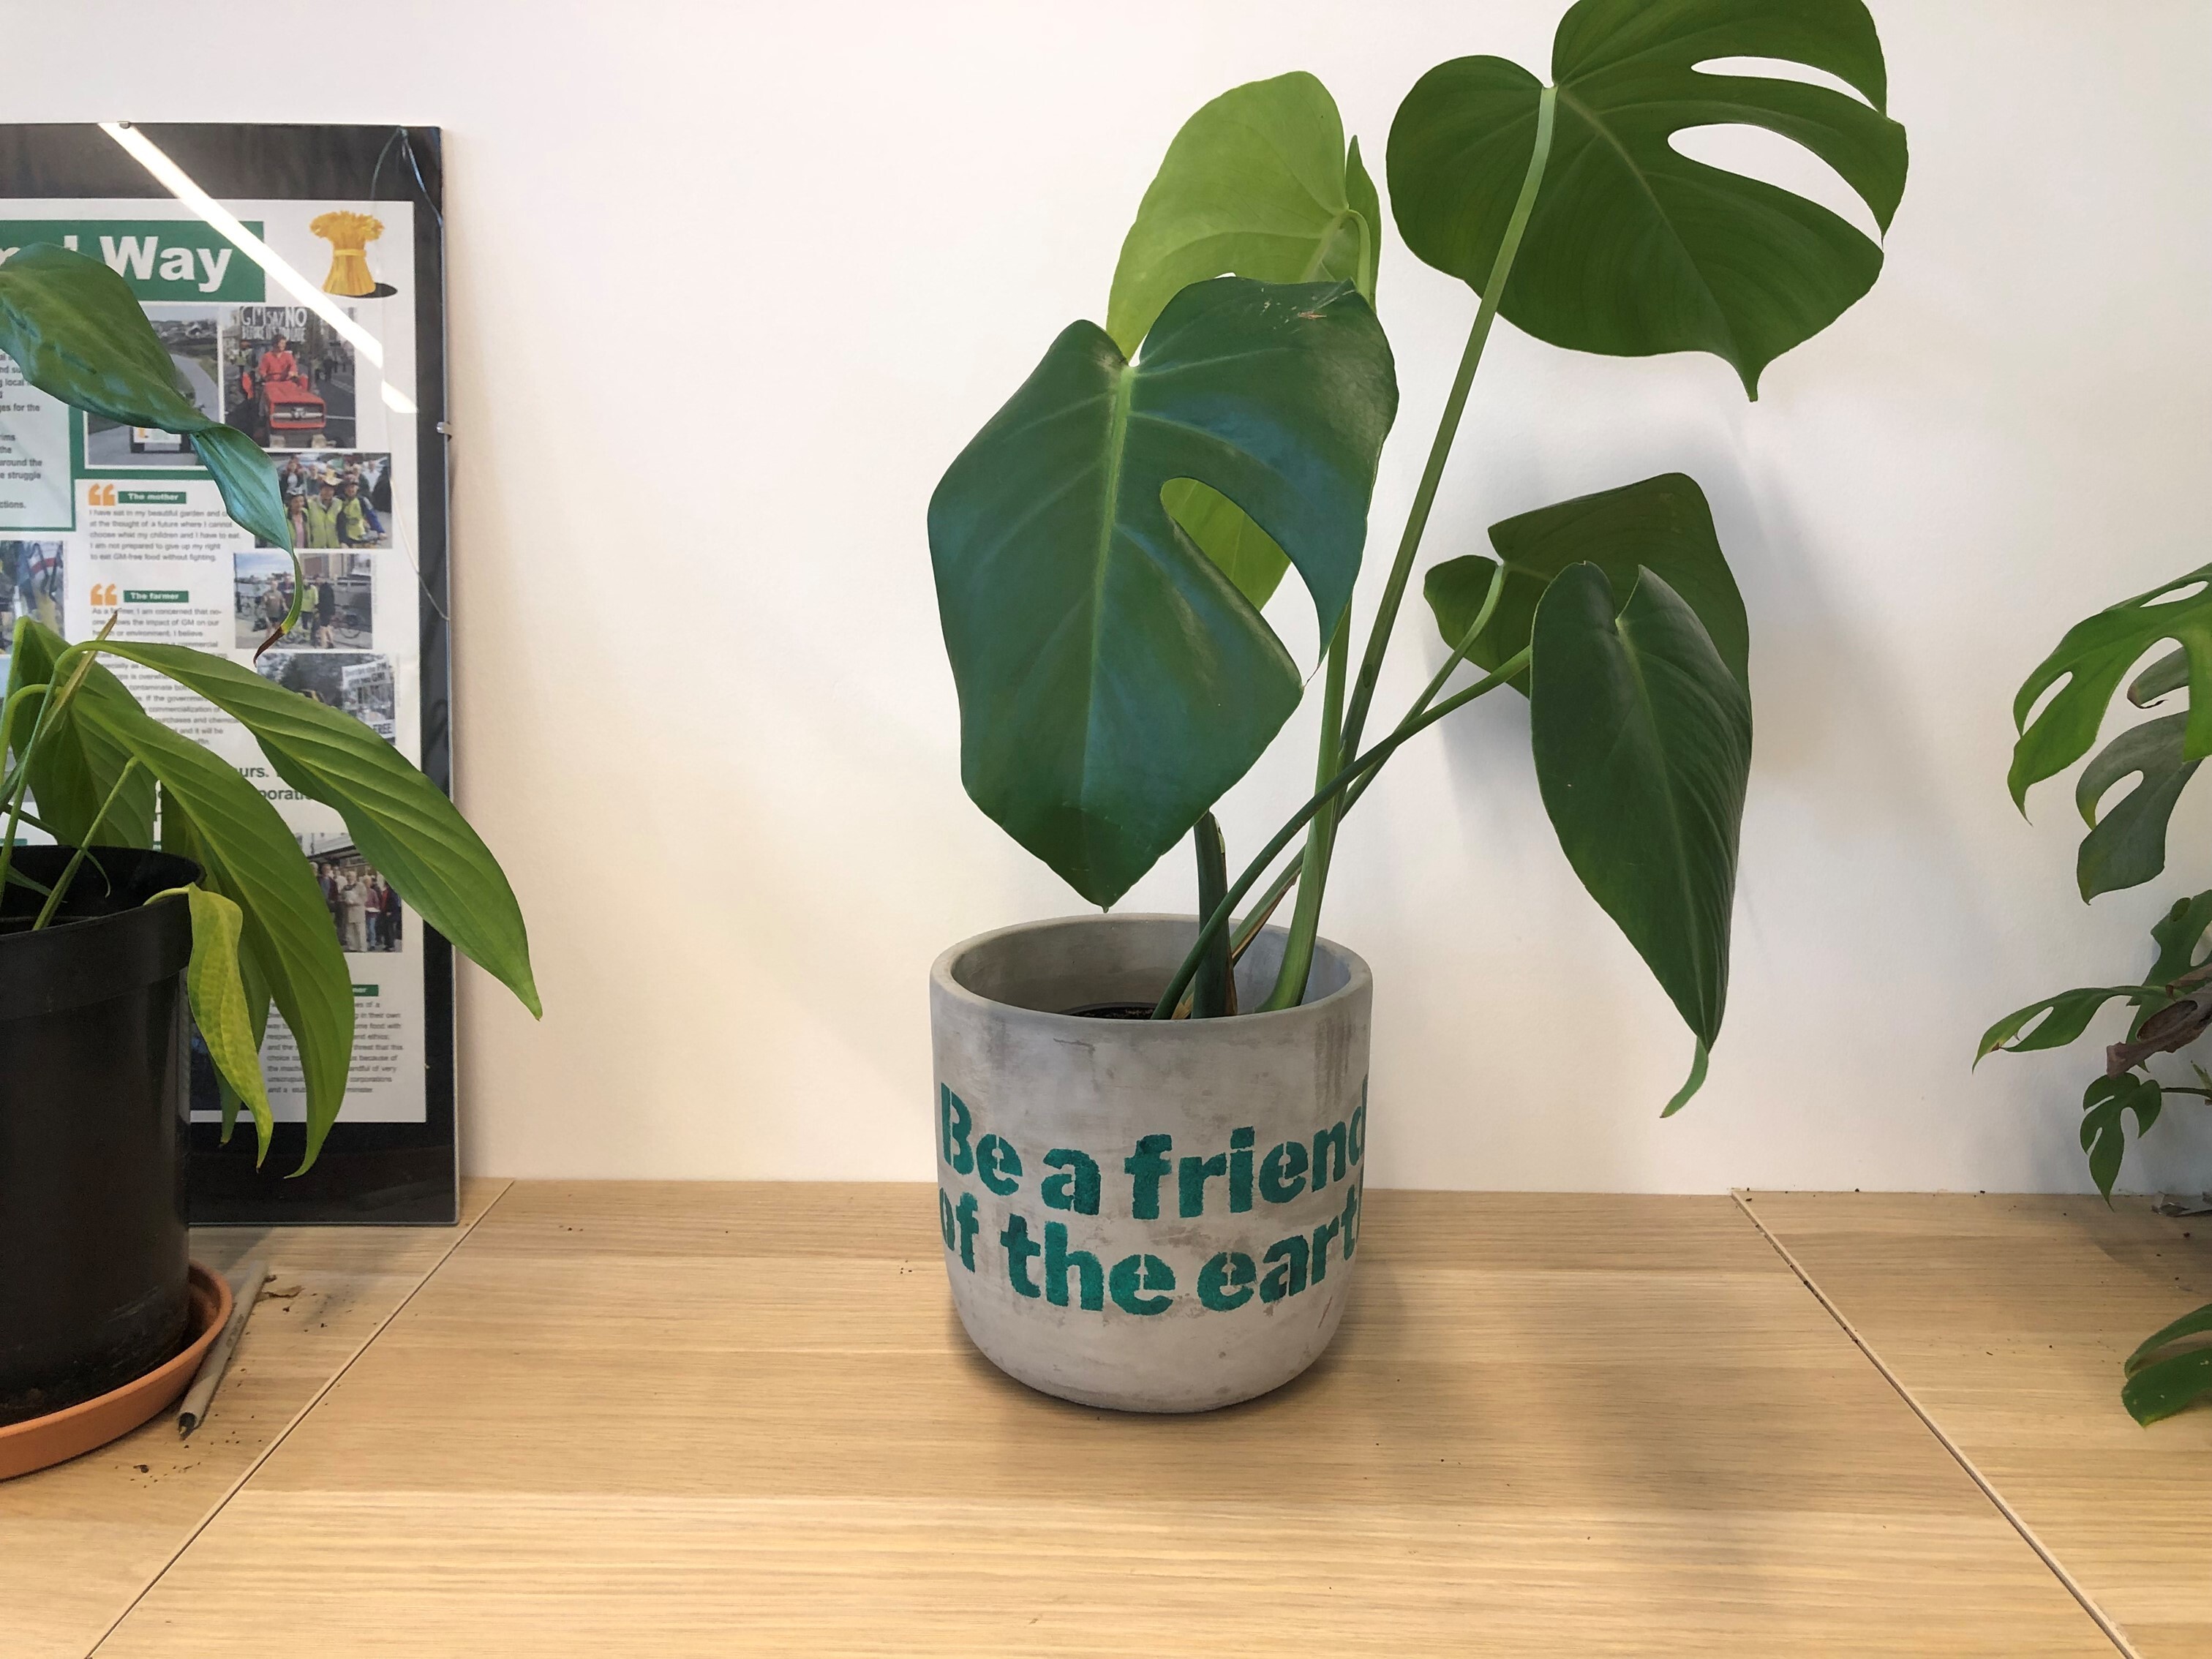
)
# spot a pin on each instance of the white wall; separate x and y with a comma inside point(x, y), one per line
point(704, 713)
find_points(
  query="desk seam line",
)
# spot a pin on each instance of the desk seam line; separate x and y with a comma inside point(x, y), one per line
point(2073, 1586)
point(253, 1468)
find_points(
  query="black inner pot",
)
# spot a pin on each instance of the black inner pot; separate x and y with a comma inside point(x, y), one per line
point(1111, 1010)
point(93, 1094)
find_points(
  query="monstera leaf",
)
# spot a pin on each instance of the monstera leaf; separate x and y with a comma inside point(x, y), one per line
point(1113, 682)
point(2126, 845)
point(1633, 248)
point(2088, 668)
point(1259, 183)
point(1642, 735)
point(1662, 525)
point(73, 327)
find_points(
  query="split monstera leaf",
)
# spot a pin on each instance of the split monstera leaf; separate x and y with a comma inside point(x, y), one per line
point(103, 771)
point(1103, 547)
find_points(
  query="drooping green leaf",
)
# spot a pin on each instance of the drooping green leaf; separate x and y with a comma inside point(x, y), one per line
point(2069, 1012)
point(76, 766)
point(2091, 661)
point(2169, 1386)
point(1662, 525)
point(2198, 1323)
point(399, 820)
point(247, 853)
point(1113, 682)
point(221, 1008)
point(2104, 1136)
point(2126, 847)
point(2162, 1377)
point(80, 336)
point(1632, 247)
point(1642, 737)
point(1257, 184)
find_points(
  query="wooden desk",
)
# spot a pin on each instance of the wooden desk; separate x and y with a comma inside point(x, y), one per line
point(2007, 1318)
point(671, 1420)
point(79, 1543)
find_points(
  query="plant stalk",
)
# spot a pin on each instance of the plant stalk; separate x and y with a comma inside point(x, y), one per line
point(1293, 871)
point(1417, 520)
point(77, 661)
point(61, 887)
point(1212, 995)
point(1321, 835)
point(1218, 922)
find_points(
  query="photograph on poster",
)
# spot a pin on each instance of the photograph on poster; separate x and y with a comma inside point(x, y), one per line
point(289, 379)
point(337, 498)
point(191, 336)
point(359, 682)
point(363, 908)
point(32, 583)
point(336, 610)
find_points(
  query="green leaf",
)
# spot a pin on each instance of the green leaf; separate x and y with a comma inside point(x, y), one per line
point(2171, 1385)
point(80, 336)
point(1642, 737)
point(1633, 248)
point(402, 825)
point(2104, 1136)
point(2127, 848)
point(1359, 192)
point(1662, 525)
point(75, 767)
point(1113, 682)
point(2169, 673)
point(2189, 1324)
point(2069, 1012)
point(1247, 555)
point(2177, 935)
point(221, 1008)
point(2091, 661)
point(1257, 184)
point(247, 854)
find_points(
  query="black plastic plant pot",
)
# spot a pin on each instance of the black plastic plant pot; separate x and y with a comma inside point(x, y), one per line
point(94, 1082)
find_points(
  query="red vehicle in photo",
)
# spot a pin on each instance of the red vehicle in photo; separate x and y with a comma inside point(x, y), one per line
point(283, 407)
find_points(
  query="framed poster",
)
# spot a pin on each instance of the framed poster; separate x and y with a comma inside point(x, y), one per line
point(297, 275)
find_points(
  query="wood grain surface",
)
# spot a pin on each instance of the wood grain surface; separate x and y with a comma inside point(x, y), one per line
point(78, 1543)
point(669, 1420)
point(2007, 1317)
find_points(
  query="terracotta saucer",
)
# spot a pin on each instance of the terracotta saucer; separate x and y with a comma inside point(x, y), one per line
point(37, 1442)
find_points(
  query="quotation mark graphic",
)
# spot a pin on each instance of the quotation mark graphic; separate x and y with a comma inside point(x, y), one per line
point(106, 593)
point(99, 495)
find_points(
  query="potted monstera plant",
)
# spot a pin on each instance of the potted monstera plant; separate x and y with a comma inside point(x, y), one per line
point(166, 886)
point(2170, 1005)
point(1152, 1129)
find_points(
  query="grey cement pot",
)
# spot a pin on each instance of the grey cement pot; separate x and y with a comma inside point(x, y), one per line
point(1151, 1216)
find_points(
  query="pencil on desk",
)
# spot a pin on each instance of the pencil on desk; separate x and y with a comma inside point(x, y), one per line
point(245, 1284)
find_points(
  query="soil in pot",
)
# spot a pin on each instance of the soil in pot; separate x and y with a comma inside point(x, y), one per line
point(94, 1093)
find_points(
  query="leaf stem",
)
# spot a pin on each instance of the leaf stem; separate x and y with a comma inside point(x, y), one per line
point(1417, 520)
point(1321, 835)
point(1211, 993)
point(78, 660)
point(1365, 765)
point(1291, 873)
point(92, 831)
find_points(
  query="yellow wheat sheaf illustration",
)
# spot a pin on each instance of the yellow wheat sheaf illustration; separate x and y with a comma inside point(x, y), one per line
point(349, 236)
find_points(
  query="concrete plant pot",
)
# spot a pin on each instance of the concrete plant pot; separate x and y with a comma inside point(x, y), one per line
point(1156, 1216)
